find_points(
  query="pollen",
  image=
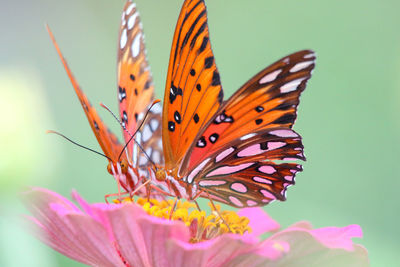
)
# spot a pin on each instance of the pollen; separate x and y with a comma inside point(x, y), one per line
point(202, 226)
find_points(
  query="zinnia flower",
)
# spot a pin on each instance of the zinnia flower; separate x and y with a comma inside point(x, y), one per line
point(145, 234)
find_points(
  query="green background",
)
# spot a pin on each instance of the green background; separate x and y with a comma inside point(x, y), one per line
point(348, 116)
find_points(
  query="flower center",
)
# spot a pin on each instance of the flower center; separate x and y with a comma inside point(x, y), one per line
point(202, 226)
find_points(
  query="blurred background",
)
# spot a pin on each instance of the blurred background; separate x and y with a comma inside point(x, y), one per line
point(348, 116)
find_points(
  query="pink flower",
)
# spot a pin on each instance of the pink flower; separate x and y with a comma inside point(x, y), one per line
point(125, 235)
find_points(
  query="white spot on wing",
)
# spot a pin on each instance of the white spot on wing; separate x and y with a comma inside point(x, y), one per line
point(224, 154)
point(140, 116)
point(142, 160)
point(235, 201)
point(197, 170)
point(132, 20)
point(136, 45)
point(309, 55)
point(156, 157)
point(130, 8)
point(124, 39)
point(284, 133)
point(270, 76)
point(154, 124)
point(156, 109)
point(206, 183)
point(291, 86)
point(239, 187)
point(247, 136)
point(300, 66)
point(146, 133)
point(229, 169)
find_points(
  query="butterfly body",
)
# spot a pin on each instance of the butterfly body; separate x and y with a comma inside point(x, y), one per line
point(232, 151)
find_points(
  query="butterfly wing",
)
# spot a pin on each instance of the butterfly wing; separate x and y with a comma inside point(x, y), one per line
point(268, 100)
point(193, 88)
point(232, 159)
point(136, 91)
point(107, 141)
point(245, 174)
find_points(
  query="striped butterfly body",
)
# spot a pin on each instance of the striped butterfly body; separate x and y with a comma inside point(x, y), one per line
point(135, 95)
point(239, 151)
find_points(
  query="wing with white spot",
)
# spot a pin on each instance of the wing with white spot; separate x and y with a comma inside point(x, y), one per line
point(149, 138)
point(135, 88)
point(266, 101)
point(244, 174)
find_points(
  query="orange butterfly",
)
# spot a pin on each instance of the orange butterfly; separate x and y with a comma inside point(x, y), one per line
point(226, 150)
point(135, 95)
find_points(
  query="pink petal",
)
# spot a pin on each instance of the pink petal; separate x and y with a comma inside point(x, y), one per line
point(306, 248)
point(66, 229)
point(226, 250)
point(337, 237)
point(142, 238)
point(260, 222)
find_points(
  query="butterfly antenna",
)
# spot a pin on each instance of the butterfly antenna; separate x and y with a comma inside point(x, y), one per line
point(140, 126)
point(126, 130)
point(116, 118)
point(75, 143)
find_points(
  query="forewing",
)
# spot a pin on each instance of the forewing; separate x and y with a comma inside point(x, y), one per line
point(266, 101)
point(135, 89)
point(107, 141)
point(244, 174)
point(193, 90)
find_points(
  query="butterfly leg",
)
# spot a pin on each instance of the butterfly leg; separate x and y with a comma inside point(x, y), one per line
point(173, 208)
point(197, 204)
point(162, 192)
point(216, 210)
point(106, 197)
point(131, 194)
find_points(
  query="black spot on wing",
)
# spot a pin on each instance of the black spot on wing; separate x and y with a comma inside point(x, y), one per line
point(208, 62)
point(196, 118)
point(171, 126)
point(173, 93)
point(215, 79)
point(287, 118)
point(203, 44)
point(177, 117)
point(213, 138)
point(147, 85)
point(201, 142)
point(259, 109)
point(220, 96)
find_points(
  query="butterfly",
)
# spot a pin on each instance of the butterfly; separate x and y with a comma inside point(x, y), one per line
point(234, 151)
point(135, 96)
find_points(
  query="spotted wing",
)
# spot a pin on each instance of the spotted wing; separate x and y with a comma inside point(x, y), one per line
point(244, 173)
point(266, 101)
point(193, 90)
point(107, 141)
point(135, 89)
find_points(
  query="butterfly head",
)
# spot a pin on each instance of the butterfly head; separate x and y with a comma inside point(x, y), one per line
point(160, 174)
point(122, 166)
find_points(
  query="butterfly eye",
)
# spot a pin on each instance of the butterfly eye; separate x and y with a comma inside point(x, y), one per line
point(124, 166)
point(160, 175)
point(109, 169)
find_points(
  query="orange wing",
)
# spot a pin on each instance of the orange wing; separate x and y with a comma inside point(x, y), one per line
point(135, 89)
point(193, 90)
point(107, 141)
point(268, 100)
